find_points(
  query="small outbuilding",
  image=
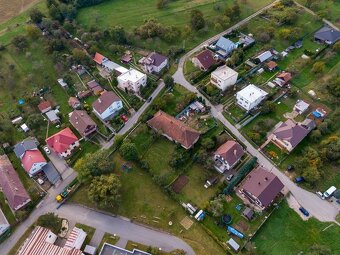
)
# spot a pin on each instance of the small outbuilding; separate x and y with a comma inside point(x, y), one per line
point(301, 106)
point(248, 213)
point(232, 243)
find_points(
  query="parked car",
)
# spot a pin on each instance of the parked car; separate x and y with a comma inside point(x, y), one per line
point(47, 150)
point(229, 177)
point(149, 99)
point(290, 168)
point(319, 193)
point(304, 211)
point(124, 118)
point(329, 192)
point(299, 179)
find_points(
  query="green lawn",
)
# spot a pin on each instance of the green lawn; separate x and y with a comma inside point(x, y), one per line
point(89, 231)
point(107, 238)
point(286, 233)
point(6, 210)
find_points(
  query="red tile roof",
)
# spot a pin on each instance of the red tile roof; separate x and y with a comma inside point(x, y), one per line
point(61, 141)
point(11, 185)
point(206, 59)
point(286, 76)
point(31, 157)
point(98, 58)
point(175, 129)
point(262, 184)
point(72, 101)
point(271, 65)
point(231, 152)
point(104, 101)
point(44, 105)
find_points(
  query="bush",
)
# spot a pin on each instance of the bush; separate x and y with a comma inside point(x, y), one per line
point(50, 221)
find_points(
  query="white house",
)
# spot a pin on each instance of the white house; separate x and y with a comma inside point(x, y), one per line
point(250, 97)
point(223, 77)
point(132, 80)
point(301, 106)
point(227, 156)
point(107, 105)
point(154, 62)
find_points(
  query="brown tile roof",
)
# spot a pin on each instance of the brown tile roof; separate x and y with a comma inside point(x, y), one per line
point(262, 184)
point(206, 59)
point(291, 132)
point(104, 101)
point(230, 151)
point(81, 121)
point(98, 58)
point(271, 65)
point(286, 76)
point(72, 101)
point(11, 185)
point(173, 128)
point(44, 105)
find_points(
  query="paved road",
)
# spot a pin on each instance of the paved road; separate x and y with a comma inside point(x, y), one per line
point(320, 209)
point(134, 119)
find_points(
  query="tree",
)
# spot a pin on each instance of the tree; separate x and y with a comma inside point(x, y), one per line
point(216, 206)
point(118, 35)
point(129, 151)
point(268, 107)
point(34, 121)
point(118, 140)
point(32, 31)
point(105, 190)
point(336, 46)
point(208, 143)
point(36, 15)
point(94, 164)
point(287, 2)
point(78, 54)
point(50, 221)
point(315, 136)
point(319, 67)
point(333, 86)
point(161, 4)
point(197, 20)
point(20, 42)
point(169, 81)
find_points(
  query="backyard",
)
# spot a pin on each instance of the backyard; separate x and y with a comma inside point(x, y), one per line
point(286, 233)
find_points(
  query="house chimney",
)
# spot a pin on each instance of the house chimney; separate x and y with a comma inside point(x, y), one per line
point(259, 183)
point(266, 178)
point(99, 100)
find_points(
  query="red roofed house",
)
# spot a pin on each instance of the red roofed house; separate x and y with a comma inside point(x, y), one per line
point(174, 129)
point(44, 106)
point(99, 58)
point(11, 185)
point(227, 156)
point(271, 65)
point(33, 162)
point(74, 102)
point(63, 142)
point(283, 78)
point(204, 60)
point(260, 187)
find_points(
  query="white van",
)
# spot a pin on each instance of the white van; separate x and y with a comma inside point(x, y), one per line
point(329, 192)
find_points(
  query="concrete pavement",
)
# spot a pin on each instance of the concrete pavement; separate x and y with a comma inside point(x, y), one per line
point(320, 209)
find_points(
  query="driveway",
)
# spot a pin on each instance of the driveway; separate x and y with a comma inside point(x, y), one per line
point(320, 209)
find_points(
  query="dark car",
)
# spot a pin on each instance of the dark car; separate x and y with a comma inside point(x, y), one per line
point(149, 99)
point(304, 211)
point(299, 179)
point(290, 168)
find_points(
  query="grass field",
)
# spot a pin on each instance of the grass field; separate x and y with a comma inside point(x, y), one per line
point(107, 238)
point(89, 231)
point(286, 233)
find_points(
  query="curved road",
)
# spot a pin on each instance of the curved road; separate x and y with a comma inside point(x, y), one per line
point(320, 209)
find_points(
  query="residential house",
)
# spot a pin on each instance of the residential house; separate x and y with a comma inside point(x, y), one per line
point(63, 142)
point(204, 60)
point(132, 80)
point(44, 106)
point(250, 97)
point(95, 87)
point(174, 129)
point(289, 134)
point(283, 78)
point(260, 187)
point(99, 58)
point(224, 46)
point(62, 83)
point(223, 77)
point(126, 58)
point(74, 102)
point(227, 156)
point(31, 158)
point(11, 185)
point(271, 66)
point(42, 241)
point(327, 35)
point(84, 94)
point(246, 41)
point(52, 117)
point(104, 62)
point(4, 225)
point(109, 249)
point(301, 106)
point(154, 62)
point(82, 122)
point(107, 105)
point(264, 56)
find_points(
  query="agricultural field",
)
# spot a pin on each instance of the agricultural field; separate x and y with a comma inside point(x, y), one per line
point(285, 233)
point(10, 9)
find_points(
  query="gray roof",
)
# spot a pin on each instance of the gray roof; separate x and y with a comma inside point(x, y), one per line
point(109, 249)
point(52, 116)
point(157, 58)
point(225, 44)
point(29, 143)
point(248, 212)
point(327, 34)
point(51, 173)
point(264, 56)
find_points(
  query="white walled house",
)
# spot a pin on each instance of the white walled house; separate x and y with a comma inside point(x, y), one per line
point(107, 105)
point(154, 62)
point(33, 162)
point(132, 80)
point(250, 97)
point(223, 77)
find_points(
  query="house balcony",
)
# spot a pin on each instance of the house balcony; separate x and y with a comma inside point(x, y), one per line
point(220, 165)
